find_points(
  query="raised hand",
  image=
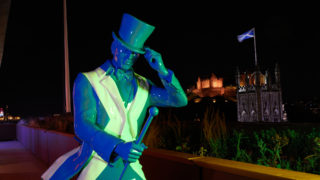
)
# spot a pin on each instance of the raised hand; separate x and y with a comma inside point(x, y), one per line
point(155, 61)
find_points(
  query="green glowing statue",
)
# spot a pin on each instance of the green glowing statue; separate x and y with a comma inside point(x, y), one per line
point(110, 105)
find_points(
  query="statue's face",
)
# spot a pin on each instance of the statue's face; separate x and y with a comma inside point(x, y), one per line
point(124, 58)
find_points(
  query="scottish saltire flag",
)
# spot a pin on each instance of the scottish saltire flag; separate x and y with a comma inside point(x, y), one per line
point(246, 35)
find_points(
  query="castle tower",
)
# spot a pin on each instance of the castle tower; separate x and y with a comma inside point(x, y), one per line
point(259, 96)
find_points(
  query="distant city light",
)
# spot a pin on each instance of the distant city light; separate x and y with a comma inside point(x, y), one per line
point(1, 112)
point(6, 117)
point(197, 100)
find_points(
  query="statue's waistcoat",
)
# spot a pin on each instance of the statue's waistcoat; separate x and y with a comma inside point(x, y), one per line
point(109, 96)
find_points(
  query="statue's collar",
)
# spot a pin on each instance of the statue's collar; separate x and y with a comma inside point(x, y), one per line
point(118, 73)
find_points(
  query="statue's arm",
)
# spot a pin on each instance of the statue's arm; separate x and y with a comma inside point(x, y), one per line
point(171, 95)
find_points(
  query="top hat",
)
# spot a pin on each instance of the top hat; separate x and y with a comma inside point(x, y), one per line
point(133, 33)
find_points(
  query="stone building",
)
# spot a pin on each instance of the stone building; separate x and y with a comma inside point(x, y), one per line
point(259, 97)
point(213, 86)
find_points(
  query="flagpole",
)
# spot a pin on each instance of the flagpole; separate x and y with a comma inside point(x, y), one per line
point(66, 60)
point(255, 48)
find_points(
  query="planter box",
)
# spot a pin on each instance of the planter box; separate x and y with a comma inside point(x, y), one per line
point(159, 163)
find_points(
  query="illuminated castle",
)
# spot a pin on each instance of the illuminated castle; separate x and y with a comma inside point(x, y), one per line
point(259, 97)
point(213, 86)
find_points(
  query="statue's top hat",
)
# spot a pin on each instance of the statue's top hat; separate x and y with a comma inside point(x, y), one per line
point(133, 33)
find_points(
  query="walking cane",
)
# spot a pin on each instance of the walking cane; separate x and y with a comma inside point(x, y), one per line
point(153, 111)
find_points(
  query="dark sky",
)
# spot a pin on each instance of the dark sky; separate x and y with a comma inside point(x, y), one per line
point(194, 41)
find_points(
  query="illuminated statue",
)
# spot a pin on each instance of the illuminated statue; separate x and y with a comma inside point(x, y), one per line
point(110, 104)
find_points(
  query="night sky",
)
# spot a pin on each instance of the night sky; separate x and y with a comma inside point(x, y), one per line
point(193, 41)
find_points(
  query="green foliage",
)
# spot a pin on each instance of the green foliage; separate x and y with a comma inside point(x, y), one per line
point(314, 158)
point(167, 132)
point(270, 153)
point(262, 159)
point(218, 148)
point(202, 151)
point(281, 146)
point(241, 154)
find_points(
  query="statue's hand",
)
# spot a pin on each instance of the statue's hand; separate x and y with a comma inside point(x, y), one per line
point(155, 61)
point(130, 151)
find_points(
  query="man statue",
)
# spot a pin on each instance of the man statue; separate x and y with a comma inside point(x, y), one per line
point(110, 105)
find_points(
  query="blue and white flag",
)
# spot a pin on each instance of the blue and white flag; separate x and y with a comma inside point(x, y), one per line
point(246, 35)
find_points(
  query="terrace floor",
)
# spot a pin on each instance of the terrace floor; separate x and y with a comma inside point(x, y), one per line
point(18, 163)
